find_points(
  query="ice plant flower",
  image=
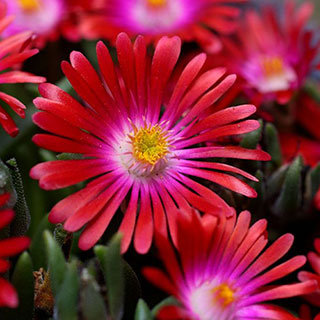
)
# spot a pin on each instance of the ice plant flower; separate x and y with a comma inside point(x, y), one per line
point(220, 271)
point(13, 51)
point(273, 55)
point(142, 152)
point(201, 21)
point(8, 247)
point(39, 16)
point(314, 260)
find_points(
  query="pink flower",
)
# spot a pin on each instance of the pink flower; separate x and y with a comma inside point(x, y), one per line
point(220, 270)
point(273, 56)
point(134, 150)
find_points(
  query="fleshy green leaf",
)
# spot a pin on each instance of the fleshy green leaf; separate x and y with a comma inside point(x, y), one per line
point(37, 248)
point(273, 146)
point(142, 311)
point(112, 266)
point(66, 301)
point(92, 303)
point(290, 197)
point(56, 262)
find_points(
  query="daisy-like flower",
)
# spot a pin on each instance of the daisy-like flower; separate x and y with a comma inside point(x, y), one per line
point(201, 21)
point(39, 16)
point(314, 260)
point(273, 55)
point(13, 51)
point(140, 150)
point(220, 271)
point(8, 247)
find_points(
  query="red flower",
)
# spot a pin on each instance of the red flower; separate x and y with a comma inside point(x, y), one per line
point(135, 148)
point(13, 51)
point(221, 272)
point(190, 20)
point(8, 247)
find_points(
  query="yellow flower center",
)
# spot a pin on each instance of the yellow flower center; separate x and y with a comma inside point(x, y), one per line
point(29, 5)
point(272, 66)
point(150, 144)
point(223, 294)
point(156, 3)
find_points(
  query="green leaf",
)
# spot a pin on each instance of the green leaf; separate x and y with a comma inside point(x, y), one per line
point(289, 200)
point(37, 248)
point(22, 280)
point(92, 303)
point(20, 225)
point(67, 298)
point(112, 267)
point(142, 311)
point(170, 301)
point(273, 146)
point(56, 262)
point(251, 139)
point(275, 181)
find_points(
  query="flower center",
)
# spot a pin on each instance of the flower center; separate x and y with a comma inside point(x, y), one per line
point(29, 5)
point(223, 294)
point(150, 144)
point(272, 66)
point(156, 3)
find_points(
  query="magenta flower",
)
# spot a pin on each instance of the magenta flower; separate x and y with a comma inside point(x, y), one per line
point(39, 16)
point(221, 272)
point(139, 152)
point(201, 21)
point(273, 56)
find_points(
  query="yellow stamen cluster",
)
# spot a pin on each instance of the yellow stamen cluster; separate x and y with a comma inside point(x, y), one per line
point(157, 3)
point(223, 294)
point(150, 144)
point(272, 66)
point(29, 5)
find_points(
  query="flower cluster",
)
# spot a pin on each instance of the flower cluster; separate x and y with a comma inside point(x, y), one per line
point(191, 112)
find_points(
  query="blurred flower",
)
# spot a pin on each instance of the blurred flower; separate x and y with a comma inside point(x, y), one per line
point(138, 149)
point(314, 260)
point(39, 16)
point(8, 247)
point(220, 272)
point(199, 21)
point(273, 55)
point(13, 51)
point(47, 18)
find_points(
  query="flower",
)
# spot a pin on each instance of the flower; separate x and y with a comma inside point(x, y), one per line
point(8, 247)
point(39, 16)
point(314, 260)
point(201, 21)
point(273, 56)
point(219, 271)
point(139, 150)
point(47, 18)
point(13, 51)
